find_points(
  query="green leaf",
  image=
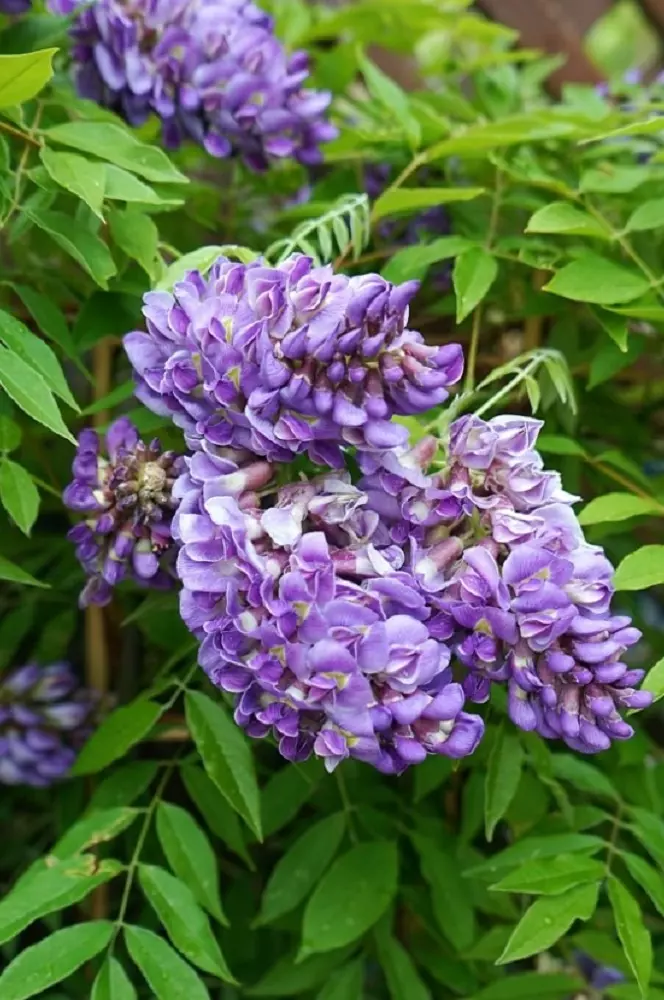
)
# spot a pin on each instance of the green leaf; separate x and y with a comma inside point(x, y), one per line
point(595, 279)
point(393, 202)
point(45, 964)
point(137, 235)
point(551, 877)
point(650, 831)
point(50, 890)
point(611, 358)
point(641, 569)
point(390, 95)
point(547, 920)
point(532, 986)
point(346, 984)
point(16, 336)
point(219, 816)
point(49, 318)
point(556, 444)
point(112, 983)
point(86, 249)
point(415, 261)
point(480, 137)
point(202, 260)
point(118, 395)
point(616, 327)
point(649, 215)
point(31, 393)
point(474, 273)
point(96, 827)
point(403, 979)
point(452, 903)
point(301, 867)
point(634, 936)
point(124, 785)
point(561, 217)
point(23, 76)
point(349, 899)
point(183, 920)
point(123, 186)
point(8, 571)
point(584, 776)
point(225, 755)
point(286, 792)
point(534, 848)
point(117, 145)
point(10, 435)
point(613, 178)
point(618, 507)
point(190, 855)
point(502, 777)
point(168, 976)
point(82, 177)
point(18, 494)
point(288, 977)
point(121, 730)
point(654, 680)
point(650, 880)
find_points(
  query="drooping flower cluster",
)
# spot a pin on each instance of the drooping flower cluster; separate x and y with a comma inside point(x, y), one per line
point(45, 717)
point(288, 360)
point(357, 619)
point(306, 614)
point(211, 70)
point(128, 507)
point(518, 593)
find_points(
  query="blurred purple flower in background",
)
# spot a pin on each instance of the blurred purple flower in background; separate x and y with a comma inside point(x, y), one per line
point(212, 71)
point(128, 507)
point(45, 717)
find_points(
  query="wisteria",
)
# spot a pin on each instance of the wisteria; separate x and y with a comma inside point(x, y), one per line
point(128, 507)
point(212, 71)
point(45, 718)
point(358, 619)
point(288, 360)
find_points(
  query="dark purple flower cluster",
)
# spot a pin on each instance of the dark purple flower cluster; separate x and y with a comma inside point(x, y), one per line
point(212, 71)
point(287, 360)
point(45, 717)
point(128, 507)
point(307, 614)
point(516, 591)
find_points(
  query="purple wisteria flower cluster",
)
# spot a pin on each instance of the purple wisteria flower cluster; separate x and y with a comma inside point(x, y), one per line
point(289, 360)
point(45, 718)
point(212, 71)
point(128, 507)
point(359, 618)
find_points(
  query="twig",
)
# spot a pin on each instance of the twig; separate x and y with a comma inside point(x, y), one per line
point(16, 132)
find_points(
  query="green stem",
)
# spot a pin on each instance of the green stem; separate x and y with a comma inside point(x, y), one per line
point(473, 349)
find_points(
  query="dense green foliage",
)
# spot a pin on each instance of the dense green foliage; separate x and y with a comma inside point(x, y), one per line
point(180, 861)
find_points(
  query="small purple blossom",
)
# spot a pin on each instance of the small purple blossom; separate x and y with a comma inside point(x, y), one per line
point(128, 507)
point(45, 717)
point(287, 360)
point(212, 71)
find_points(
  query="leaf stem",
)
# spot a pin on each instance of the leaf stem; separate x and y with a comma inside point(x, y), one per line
point(18, 134)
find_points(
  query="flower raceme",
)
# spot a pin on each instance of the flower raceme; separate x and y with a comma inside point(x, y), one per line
point(128, 507)
point(212, 70)
point(45, 717)
point(288, 360)
point(359, 619)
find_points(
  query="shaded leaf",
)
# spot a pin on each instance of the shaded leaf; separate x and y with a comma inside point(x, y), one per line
point(632, 932)
point(352, 895)
point(118, 733)
point(112, 983)
point(475, 271)
point(167, 975)
point(190, 855)
point(50, 961)
point(502, 777)
point(18, 494)
point(31, 393)
point(84, 178)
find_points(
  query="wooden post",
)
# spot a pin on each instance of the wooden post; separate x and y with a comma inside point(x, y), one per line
point(556, 27)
